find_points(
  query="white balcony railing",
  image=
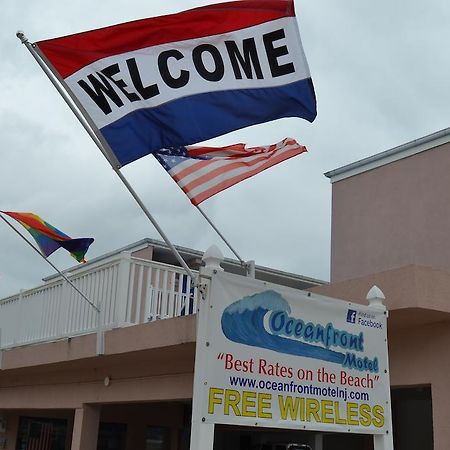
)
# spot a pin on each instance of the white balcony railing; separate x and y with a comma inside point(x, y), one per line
point(128, 291)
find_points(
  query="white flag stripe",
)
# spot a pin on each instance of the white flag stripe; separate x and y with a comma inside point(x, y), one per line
point(239, 172)
point(147, 61)
point(231, 150)
point(223, 175)
point(201, 179)
point(234, 180)
point(201, 168)
point(216, 154)
point(227, 165)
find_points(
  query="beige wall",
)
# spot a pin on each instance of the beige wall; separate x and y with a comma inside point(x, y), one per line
point(420, 356)
point(149, 367)
point(410, 291)
point(145, 253)
point(137, 417)
point(392, 216)
point(418, 338)
point(148, 362)
point(390, 227)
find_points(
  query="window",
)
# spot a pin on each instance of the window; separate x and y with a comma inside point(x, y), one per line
point(412, 418)
point(157, 438)
point(42, 433)
point(111, 436)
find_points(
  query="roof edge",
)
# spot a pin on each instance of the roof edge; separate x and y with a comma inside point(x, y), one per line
point(185, 251)
point(394, 154)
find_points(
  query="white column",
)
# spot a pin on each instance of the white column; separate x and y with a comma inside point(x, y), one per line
point(212, 259)
point(85, 428)
point(122, 287)
point(383, 442)
point(376, 298)
point(250, 268)
point(318, 441)
point(16, 336)
point(202, 434)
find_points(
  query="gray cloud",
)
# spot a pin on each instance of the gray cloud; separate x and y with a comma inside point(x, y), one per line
point(381, 75)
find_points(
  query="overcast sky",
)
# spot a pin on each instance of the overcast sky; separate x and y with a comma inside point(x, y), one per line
point(381, 72)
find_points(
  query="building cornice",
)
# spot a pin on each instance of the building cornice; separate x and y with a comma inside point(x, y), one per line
point(380, 159)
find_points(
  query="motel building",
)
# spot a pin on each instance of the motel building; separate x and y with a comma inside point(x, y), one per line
point(59, 390)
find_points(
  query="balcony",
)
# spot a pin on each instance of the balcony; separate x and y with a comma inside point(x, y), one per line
point(128, 290)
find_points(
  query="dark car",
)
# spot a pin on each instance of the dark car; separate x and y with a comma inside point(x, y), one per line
point(284, 446)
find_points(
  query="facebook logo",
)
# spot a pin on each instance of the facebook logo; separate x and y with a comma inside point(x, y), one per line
point(351, 316)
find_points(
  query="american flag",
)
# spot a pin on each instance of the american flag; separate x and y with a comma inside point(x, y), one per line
point(202, 172)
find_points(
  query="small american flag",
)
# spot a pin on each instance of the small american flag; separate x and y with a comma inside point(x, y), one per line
point(202, 172)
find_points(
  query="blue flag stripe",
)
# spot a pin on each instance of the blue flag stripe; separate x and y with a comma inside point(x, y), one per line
point(196, 118)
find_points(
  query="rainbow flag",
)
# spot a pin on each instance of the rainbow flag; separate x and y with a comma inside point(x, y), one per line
point(49, 238)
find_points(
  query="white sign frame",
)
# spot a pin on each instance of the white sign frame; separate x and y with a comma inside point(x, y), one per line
point(209, 350)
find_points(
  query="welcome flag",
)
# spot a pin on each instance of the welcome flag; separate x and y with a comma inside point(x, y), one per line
point(49, 238)
point(202, 172)
point(180, 79)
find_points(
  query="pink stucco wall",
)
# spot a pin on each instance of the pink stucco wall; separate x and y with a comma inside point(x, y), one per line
point(136, 416)
point(150, 368)
point(391, 216)
point(419, 356)
point(418, 338)
point(148, 362)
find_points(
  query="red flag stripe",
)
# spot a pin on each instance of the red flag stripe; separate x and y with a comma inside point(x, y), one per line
point(201, 169)
point(234, 180)
point(228, 166)
point(30, 220)
point(192, 167)
point(68, 54)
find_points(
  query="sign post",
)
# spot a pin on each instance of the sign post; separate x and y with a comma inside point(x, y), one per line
point(275, 357)
point(202, 432)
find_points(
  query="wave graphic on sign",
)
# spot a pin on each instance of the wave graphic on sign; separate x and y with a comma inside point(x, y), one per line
point(243, 322)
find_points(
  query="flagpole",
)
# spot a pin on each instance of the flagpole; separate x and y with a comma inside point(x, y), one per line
point(100, 344)
point(249, 265)
point(103, 146)
point(220, 234)
point(51, 264)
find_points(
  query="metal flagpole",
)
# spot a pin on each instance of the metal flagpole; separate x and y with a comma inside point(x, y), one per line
point(249, 265)
point(49, 262)
point(103, 146)
point(220, 234)
point(100, 345)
